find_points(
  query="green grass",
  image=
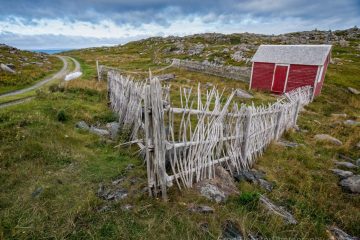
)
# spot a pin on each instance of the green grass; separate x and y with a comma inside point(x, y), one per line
point(35, 153)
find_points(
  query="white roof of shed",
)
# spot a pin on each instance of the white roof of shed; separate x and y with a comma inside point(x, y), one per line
point(292, 54)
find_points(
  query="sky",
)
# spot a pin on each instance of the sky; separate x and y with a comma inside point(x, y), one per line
point(64, 24)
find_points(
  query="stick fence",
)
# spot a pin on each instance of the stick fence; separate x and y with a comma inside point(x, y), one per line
point(204, 131)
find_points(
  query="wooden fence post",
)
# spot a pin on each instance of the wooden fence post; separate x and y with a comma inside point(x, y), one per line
point(297, 111)
point(148, 140)
point(279, 118)
point(244, 147)
point(158, 125)
point(98, 71)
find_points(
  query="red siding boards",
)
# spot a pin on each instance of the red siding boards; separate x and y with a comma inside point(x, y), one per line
point(319, 85)
point(301, 75)
point(262, 76)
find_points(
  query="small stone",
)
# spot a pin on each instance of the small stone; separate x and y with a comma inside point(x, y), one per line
point(135, 180)
point(341, 173)
point(328, 137)
point(272, 208)
point(127, 207)
point(346, 158)
point(358, 145)
point(117, 181)
point(105, 209)
point(268, 187)
point(347, 165)
point(98, 131)
point(41, 66)
point(120, 194)
point(353, 91)
point(252, 236)
point(10, 65)
point(339, 234)
point(82, 125)
point(230, 232)
point(243, 94)
point(351, 184)
point(145, 189)
point(332, 125)
point(129, 167)
point(287, 144)
point(338, 114)
point(134, 192)
point(37, 192)
point(358, 162)
point(278, 167)
point(201, 209)
point(350, 122)
point(113, 128)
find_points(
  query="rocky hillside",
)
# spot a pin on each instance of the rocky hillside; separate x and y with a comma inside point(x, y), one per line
point(19, 68)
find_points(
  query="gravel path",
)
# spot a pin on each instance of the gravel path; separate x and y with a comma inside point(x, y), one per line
point(59, 75)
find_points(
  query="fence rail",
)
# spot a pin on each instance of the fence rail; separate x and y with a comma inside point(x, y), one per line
point(201, 133)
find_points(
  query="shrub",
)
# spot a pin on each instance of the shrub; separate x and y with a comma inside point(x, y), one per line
point(250, 200)
point(61, 115)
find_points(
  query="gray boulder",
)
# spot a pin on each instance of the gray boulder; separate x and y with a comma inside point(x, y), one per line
point(247, 176)
point(6, 68)
point(98, 131)
point(10, 65)
point(113, 128)
point(211, 192)
point(351, 184)
point(347, 165)
point(201, 209)
point(82, 125)
point(358, 162)
point(341, 173)
point(218, 188)
point(329, 138)
point(279, 211)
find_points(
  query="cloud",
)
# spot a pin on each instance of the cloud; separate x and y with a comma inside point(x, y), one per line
point(163, 12)
point(51, 41)
point(119, 21)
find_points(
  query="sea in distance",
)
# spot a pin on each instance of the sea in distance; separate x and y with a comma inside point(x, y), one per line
point(50, 51)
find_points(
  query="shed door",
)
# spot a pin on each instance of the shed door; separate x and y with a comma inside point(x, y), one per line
point(279, 78)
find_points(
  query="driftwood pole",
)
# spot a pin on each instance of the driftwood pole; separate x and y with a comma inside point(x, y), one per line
point(98, 71)
point(298, 104)
point(158, 123)
point(148, 141)
point(278, 125)
point(247, 126)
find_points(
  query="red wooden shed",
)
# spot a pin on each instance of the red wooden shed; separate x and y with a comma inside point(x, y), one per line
point(282, 68)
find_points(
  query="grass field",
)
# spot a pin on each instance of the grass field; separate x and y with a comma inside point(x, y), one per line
point(39, 151)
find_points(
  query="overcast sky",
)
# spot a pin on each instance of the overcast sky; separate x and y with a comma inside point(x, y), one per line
point(62, 24)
